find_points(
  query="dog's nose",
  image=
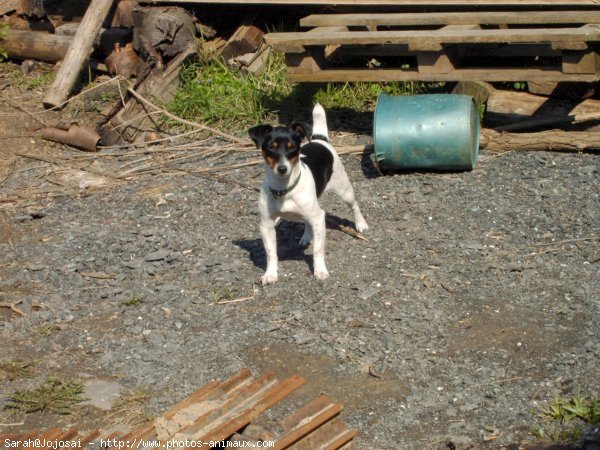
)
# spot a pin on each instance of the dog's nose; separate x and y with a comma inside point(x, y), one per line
point(282, 170)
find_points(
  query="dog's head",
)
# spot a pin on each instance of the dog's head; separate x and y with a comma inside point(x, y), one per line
point(280, 145)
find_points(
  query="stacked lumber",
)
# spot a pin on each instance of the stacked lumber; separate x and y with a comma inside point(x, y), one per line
point(219, 412)
point(488, 45)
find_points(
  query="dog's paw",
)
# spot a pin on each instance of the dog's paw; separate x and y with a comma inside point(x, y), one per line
point(269, 278)
point(362, 227)
point(321, 274)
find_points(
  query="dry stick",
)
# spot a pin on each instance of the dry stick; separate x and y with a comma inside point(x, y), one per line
point(117, 78)
point(229, 137)
point(11, 171)
point(20, 108)
point(58, 163)
point(333, 222)
point(144, 144)
point(488, 383)
point(236, 300)
point(13, 307)
point(145, 168)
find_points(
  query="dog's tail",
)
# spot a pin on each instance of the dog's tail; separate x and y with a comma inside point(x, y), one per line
point(319, 130)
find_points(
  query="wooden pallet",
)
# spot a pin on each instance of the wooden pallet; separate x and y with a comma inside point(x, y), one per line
point(444, 46)
point(216, 412)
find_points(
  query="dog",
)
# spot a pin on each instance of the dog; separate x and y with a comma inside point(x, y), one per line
point(296, 176)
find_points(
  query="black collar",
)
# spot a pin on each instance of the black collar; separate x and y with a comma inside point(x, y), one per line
point(319, 137)
point(275, 193)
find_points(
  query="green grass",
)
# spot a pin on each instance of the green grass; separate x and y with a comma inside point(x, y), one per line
point(565, 419)
point(577, 407)
point(217, 95)
point(214, 94)
point(14, 370)
point(47, 329)
point(220, 294)
point(55, 395)
point(3, 32)
point(136, 300)
point(32, 82)
point(363, 96)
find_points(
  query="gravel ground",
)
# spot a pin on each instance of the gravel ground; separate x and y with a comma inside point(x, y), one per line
point(473, 302)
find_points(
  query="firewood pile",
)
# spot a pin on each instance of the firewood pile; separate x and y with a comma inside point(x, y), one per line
point(146, 45)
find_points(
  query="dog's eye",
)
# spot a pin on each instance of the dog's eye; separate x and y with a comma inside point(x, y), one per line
point(290, 145)
point(273, 145)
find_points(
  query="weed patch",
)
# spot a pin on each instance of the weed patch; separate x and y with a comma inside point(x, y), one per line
point(55, 395)
point(14, 370)
point(565, 419)
point(129, 407)
point(3, 33)
point(33, 82)
point(217, 94)
point(47, 329)
point(363, 96)
point(136, 300)
point(218, 294)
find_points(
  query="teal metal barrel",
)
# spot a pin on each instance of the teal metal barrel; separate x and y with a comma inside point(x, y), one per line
point(437, 131)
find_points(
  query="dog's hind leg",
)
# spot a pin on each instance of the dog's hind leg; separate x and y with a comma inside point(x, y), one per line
point(307, 237)
point(341, 185)
point(317, 223)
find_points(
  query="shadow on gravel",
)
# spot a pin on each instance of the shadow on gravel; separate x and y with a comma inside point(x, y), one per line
point(288, 248)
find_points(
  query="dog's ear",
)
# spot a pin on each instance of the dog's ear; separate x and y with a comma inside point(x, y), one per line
point(302, 129)
point(259, 133)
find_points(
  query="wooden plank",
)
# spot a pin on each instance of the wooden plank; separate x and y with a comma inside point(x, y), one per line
point(470, 74)
point(536, 3)
point(451, 18)
point(306, 420)
point(580, 62)
point(428, 39)
point(330, 436)
point(79, 51)
point(434, 62)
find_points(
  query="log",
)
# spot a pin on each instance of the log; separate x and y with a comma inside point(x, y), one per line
point(553, 140)
point(130, 124)
point(79, 51)
point(246, 39)
point(510, 106)
point(479, 90)
point(54, 47)
point(36, 45)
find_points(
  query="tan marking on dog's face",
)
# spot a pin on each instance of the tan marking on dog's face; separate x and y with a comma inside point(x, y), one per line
point(294, 159)
point(271, 161)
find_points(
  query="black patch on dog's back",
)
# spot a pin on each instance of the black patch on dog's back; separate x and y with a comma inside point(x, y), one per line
point(320, 162)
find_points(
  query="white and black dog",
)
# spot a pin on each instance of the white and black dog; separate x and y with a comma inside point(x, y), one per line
point(296, 176)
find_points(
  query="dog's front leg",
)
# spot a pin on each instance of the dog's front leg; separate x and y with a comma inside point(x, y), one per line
point(269, 238)
point(317, 224)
